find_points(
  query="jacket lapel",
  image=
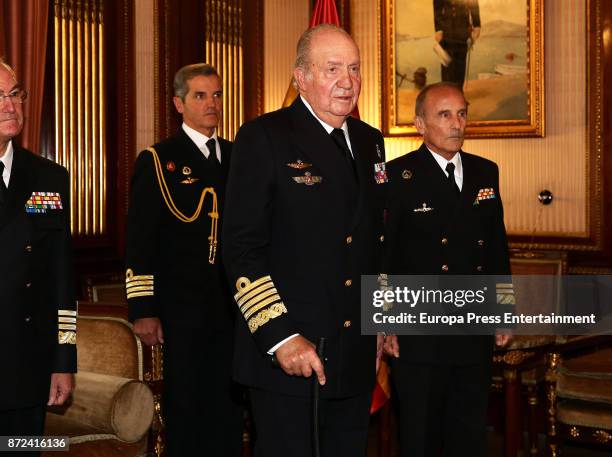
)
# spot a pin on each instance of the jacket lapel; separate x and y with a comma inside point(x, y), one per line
point(363, 164)
point(20, 186)
point(309, 136)
point(436, 180)
point(470, 183)
point(226, 150)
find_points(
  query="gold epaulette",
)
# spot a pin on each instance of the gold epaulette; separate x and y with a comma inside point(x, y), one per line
point(214, 213)
point(258, 301)
point(505, 293)
point(66, 324)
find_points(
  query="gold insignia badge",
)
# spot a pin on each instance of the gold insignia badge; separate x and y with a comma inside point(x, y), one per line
point(308, 179)
point(170, 166)
point(407, 174)
point(423, 209)
point(299, 165)
point(186, 171)
point(189, 180)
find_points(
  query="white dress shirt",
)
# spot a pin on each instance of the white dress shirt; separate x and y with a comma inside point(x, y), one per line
point(328, 128)
point(7, 159)
point(456, 160)
point(200, 140)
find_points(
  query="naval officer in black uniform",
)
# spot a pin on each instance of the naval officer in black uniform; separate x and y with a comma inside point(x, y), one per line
point(455, 22)
point(176, 289)
point(303, 221)
point(445, 217)
point(38, 324)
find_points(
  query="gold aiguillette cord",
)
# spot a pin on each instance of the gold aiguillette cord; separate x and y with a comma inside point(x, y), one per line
point(214, 213)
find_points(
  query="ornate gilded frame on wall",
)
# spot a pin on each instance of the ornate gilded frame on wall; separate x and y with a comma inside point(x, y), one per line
point(595, 152)
point(511, 81)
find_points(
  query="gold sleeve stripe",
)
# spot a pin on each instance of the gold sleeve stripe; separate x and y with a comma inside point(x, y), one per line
point(66, 312)
point(144, 282)
point(249, 286)
point(504, 285)
point(268, 301)
point(265, 286)
point(258, 299)
point(68, 320)
point(140, 278)
point(67, 326)
point(66, 337)
point(139, 294)
point(131, 290)
point(263, 317)
point(260, 292)
point(130, 276)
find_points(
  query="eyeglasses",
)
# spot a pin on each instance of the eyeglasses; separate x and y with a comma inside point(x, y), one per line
point(18, 96)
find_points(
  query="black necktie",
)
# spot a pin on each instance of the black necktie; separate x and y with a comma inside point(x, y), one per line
point(3, 189)
point(450, 169)
point(340, 140)
point(212, 152)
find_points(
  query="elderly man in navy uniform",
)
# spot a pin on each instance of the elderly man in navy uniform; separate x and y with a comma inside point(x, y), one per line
point(38, 324)
point(303, 222)
point(455, 22)
point(177, 291)
point(443, 381)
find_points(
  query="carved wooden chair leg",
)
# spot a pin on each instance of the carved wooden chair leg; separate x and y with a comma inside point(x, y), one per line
point(513, 395)
point(551, 404)
point(532, 400)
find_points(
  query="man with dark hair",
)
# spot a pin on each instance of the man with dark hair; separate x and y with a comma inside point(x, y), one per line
point(303, 222)
point(38, 324)
point(445, 217)
point(455, 22)
point(176, 288)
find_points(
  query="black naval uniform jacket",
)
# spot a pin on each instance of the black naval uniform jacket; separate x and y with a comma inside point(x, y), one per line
point(299, 230)
point(456, 18)
point(430, 232)
point(38, 324)
point(168, 271)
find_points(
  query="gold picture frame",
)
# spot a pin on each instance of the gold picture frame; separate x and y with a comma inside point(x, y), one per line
point(504, 68)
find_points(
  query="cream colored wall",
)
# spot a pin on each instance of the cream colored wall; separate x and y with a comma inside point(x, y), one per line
point(557, 162)
point(144, 42)
point(284, 22)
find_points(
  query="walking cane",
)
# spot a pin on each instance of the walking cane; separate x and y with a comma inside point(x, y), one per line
point(316, 387)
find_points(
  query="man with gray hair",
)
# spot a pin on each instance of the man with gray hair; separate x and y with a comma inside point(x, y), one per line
point(38, 324)
point(176, 289)
point(303, 222)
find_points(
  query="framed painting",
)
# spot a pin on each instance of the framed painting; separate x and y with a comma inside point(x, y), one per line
point(493, 49)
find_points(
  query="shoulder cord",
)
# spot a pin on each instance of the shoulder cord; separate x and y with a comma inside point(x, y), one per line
point(214, 214)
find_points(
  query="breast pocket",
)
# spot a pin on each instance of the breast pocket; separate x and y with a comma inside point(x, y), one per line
point(47, 224)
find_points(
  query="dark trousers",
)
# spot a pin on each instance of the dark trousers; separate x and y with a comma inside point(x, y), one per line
point(442, 407)
point(283, 425)
point(455, 72)
point(202, 406)
point(22, 422)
